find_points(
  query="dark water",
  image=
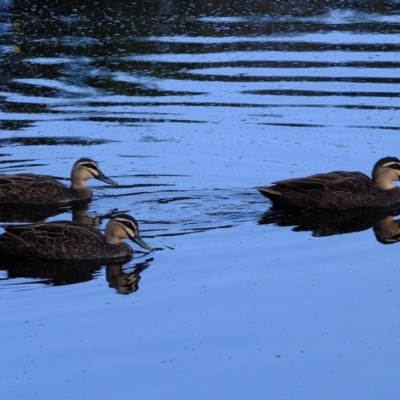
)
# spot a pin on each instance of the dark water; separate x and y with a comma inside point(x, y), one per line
point(189, 106)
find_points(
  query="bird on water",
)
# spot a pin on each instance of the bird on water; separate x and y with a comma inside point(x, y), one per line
point(339, 189)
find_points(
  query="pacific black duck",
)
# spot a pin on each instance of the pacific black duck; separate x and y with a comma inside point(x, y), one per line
point(42, 189)
point(73, 240)
point(340, 189)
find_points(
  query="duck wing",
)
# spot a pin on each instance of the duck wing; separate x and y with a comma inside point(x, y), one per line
point(31, 188)
point(336, 181)
point(59, 239)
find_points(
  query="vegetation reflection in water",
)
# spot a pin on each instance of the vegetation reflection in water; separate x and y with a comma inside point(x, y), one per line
point(123, 54)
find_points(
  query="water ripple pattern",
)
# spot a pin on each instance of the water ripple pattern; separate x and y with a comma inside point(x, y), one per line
point(190, 105)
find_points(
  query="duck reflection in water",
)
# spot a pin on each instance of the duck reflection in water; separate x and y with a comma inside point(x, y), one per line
point(123, 278)
point(335, 222)
point(38, 213)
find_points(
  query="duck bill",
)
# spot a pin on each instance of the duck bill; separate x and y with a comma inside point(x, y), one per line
point(105, 179)
point(138, 240)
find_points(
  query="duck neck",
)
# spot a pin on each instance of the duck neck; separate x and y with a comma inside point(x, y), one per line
point(120, 249)
point(113, 240)
point(81, 190)
point(385, 180)
point(111, 235)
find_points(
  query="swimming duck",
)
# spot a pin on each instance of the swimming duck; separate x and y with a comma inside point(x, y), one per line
point(340, 190)
point(42, 189)
point(73, 240)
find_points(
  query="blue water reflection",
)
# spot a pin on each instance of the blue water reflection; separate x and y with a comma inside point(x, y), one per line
point(189, 106)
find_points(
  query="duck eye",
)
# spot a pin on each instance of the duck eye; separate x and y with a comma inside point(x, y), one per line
point(395, 166)
point(129, 225)
point(93, 168)
point(89, 166)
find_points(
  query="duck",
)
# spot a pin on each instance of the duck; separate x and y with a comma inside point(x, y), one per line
point(69, 240)
point(37, 189)
point(340, 190)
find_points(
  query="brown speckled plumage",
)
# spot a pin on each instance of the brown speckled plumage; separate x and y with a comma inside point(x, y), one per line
point(72, 240)
point(42, 189)
point(339, 189)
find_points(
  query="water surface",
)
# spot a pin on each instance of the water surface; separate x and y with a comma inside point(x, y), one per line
point(189, 107)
